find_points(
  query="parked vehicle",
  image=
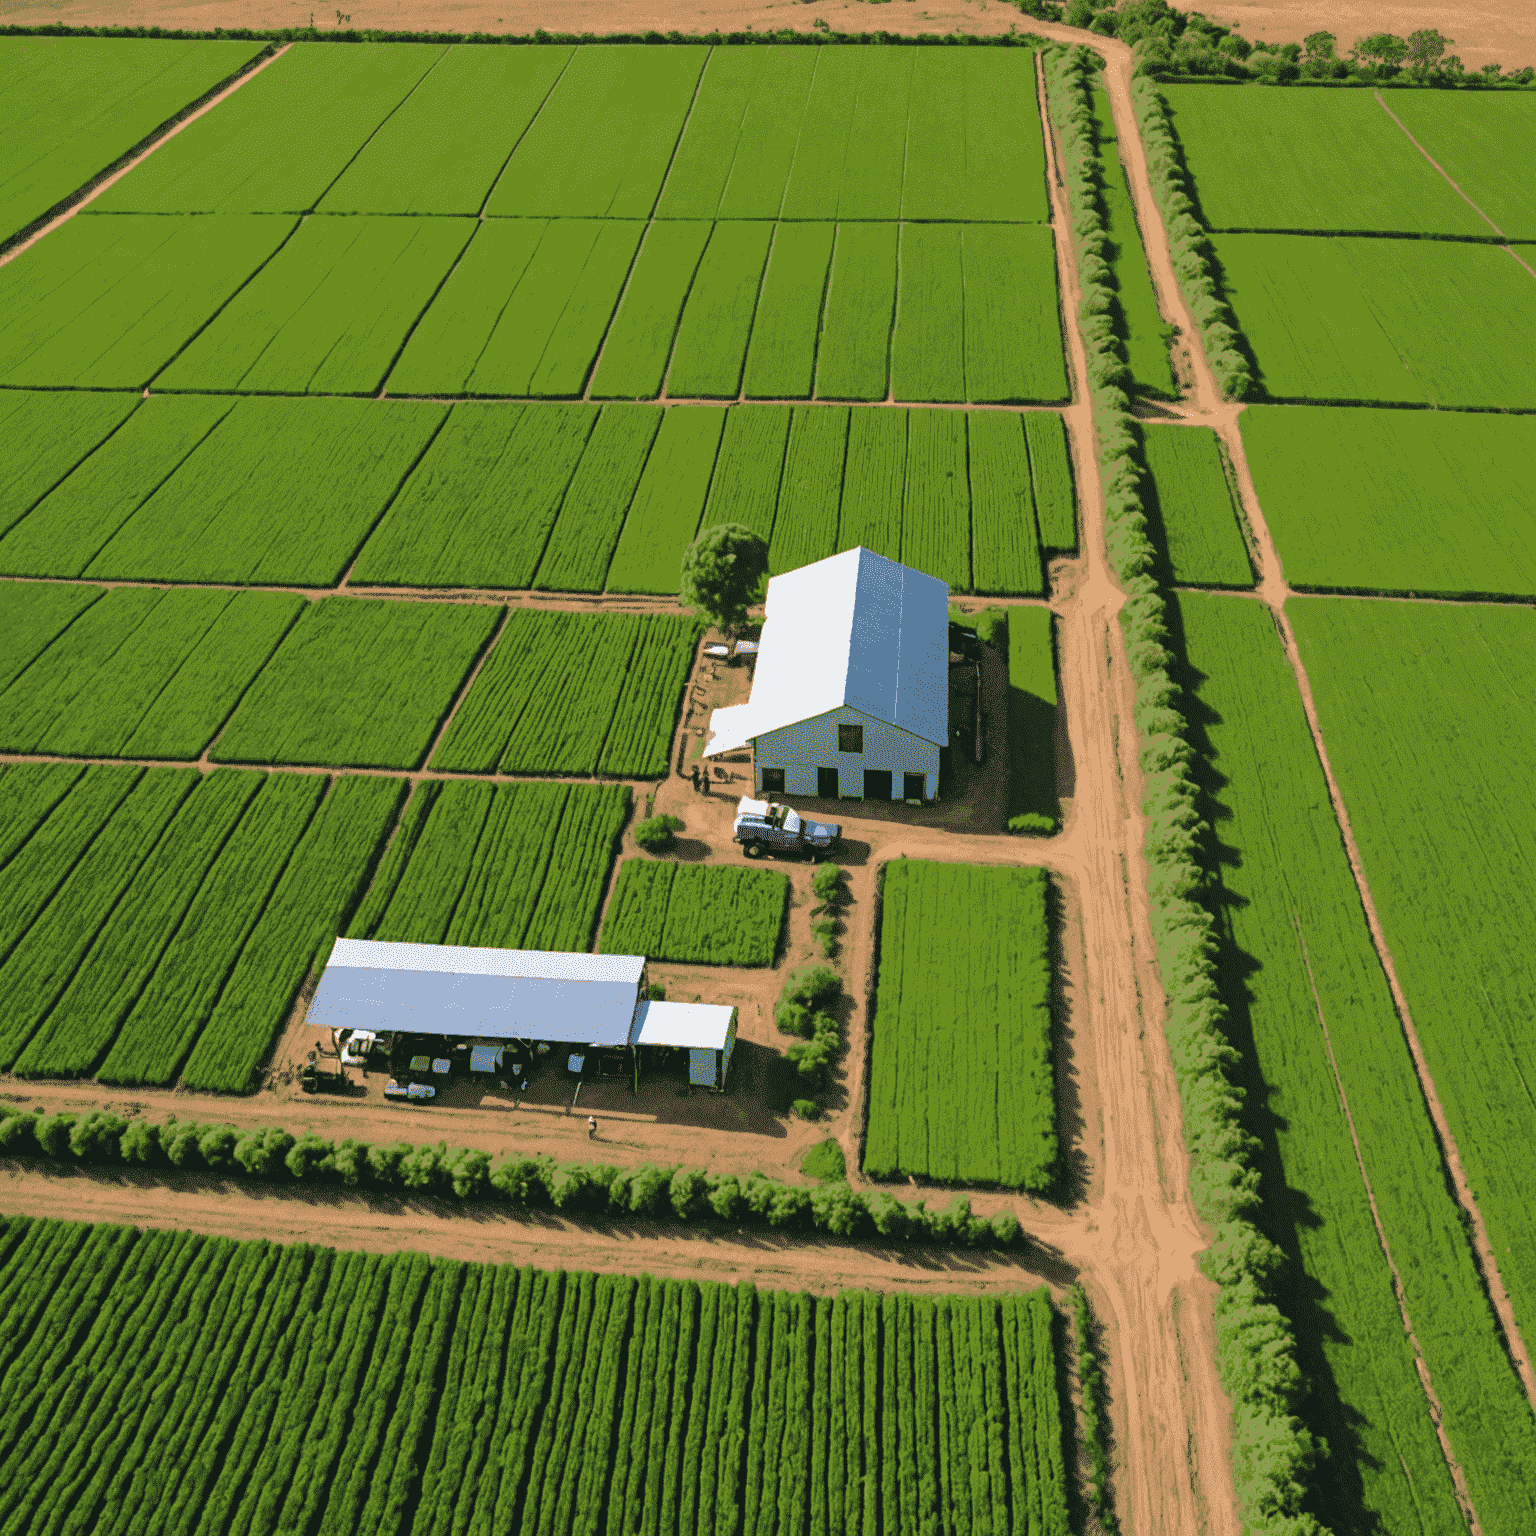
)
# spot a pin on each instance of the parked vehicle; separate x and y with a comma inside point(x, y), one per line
point(407, 1092)
point(313, 1080)
point(358, 1048)
point(765, 828)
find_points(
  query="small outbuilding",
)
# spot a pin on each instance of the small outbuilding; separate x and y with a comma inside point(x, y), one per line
point(851, 693)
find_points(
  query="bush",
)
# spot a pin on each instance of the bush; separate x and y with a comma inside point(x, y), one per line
point(263, 1154)
point(805, 1109)
point(725, 1197)
point(658, 834)
point(308, 1156)
point(824, 931)
point(807, 993)
point(98, 1138)
point(689, 1194)
point(836, 1209)
point(829, 885)
point(18, 1132)
point(824, 1161)
point(140, 1143)
point(1032, 824)
point(53, 1134)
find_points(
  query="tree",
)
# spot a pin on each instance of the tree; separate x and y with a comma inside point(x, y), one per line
point(1426, 48)
point(1381, 47)
point(1320, 45)
point(722, 570)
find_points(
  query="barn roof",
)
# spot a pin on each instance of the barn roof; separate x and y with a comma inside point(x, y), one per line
point(455, 989)
point(699, 1026)
point(858, 631)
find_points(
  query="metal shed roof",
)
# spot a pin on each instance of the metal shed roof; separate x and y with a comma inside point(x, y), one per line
point(698, 1026)
point(855, 630)
point(453, 989)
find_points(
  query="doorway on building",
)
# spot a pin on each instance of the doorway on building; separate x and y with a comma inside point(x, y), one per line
point(877, 784)
point(826, 783)
point(914, 786)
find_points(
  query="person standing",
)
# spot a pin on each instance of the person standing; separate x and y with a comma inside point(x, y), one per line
point(591, 1127)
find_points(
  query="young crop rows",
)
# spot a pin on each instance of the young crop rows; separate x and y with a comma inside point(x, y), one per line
point(1191, 511)
point(962, 1086)
point(698, 914)
point(1032, 714)
point(169, 1381)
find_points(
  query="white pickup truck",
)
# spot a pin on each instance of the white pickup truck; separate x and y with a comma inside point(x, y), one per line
point(763, 827)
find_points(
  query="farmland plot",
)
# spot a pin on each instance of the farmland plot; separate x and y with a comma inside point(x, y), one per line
point(478, 509)
point(28, 794)
point(852, 361)
point(745, 489)
point(524, 312)
point(107, 303)
point(1377, 182)
point(1190, 512)
point(282, 491)
point(601, 146)
point(515, 866)
point(1005, 548)
point(1050, 467)
point(47, 433)
point(1033, 706)
point(936, 509)
point(32, 616)
point(1297, 959)
point(810, 488)
point(311, 111)
point(874, 480)
point(695, 914)
point(781, 364)
point(628, 670)
point(1396, 501)
point(711, 345)
point(74, 105)
point(143, 673)
point(1425, 709)
point(928, 346)
point(639, 342)
point(962, 1087)
point(328, 314)
point(443, 149)
point(359, 682)
point(1383, 321)
point(1014, 348)
point(608, 1398)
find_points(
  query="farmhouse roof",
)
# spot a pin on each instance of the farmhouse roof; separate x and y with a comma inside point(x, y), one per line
point(699, 1026)
point(455, 989)
point(856, 630)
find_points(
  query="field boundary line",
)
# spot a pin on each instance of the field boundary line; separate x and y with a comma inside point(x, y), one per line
point(1436, 1412)
point(468, 684)
point(116, 176)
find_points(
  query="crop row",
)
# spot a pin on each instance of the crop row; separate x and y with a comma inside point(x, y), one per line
point(962, 1085)
point(299, 1388)
point(566, 497)
point(1191, 514)
point(695, 913)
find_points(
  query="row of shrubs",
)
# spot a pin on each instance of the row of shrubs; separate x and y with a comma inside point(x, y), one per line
point(273, 1155)
point(807, 1007)
point(1090, 1379)
point(1272, 1453)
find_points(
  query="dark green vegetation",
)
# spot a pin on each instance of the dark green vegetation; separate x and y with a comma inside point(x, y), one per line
point(824, 1161)
point(1425, 710)
point(1190, 511)
point(697, 914)
point(1311, 1016)
point(1397, 501)
point(74, 106)
point(628, 670)
point(1032, 719)
point(962, 1086)
point(46, 435)
point(396, 1393)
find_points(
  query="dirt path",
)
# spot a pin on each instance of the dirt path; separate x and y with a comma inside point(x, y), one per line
point(1204, 406)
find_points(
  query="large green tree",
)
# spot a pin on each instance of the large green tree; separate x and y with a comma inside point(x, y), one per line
point(722, 571)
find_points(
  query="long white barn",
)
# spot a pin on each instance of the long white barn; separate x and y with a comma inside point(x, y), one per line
point(851, 692)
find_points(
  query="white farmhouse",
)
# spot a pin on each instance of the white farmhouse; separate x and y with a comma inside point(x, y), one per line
point(851, 692)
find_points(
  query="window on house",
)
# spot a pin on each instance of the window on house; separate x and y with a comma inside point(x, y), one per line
point(773, 781)
point(850, 738)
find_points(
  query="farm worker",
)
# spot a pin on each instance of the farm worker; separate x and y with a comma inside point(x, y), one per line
point(591, 1127)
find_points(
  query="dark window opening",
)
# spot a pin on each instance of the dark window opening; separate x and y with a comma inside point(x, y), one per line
point(773, 781)
point(850, 738)
point(826, 783)
point(914, 786)
point(877, 784)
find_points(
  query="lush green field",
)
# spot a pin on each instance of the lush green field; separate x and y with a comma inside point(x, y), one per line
point(1032, 714)
point(695, 914)
point(512, 866)
point(143, 673)
point(46, 435)
point(1296, 958)
point(75, 105)
point(359, 682)
point(153, 914)
point(1426, 713)
point(1190, 510)
point(1050, 466)
point(628, 669)
point(396, 1394)
point(1485, 143)
point(1387, 322)
point(1375, 181)
point(1396, 501)
point(962, 1086)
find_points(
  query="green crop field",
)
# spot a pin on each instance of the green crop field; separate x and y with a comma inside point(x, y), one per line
point(1050, 465)
point(1005, 548)
point(1375, 181)
point(1386, 322)
point(328, 314)
point(152, 915)
point(936, 509)
point(75, 105)
point(1296, 956)
point(804, 529)
point(107, 303)
point(781, 363)
point(513, 866)
point(695, 914)
point(710, 348)
point(1396, 501)
point(522, 715)
point(962, 1086)
point(310, 112)
point(1190, 510)
point(1032, 714)
point(853, 355)
point(32, 615)
point(1425, 710)
point(47, 433)
point(1485, 143)
point(359, 682)
point(749, 469)
point(143, 673)
point(401, 1395)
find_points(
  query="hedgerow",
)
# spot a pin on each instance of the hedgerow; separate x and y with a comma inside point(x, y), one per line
point(529, 1182)
point(1273, 1452)
point(1189, 243)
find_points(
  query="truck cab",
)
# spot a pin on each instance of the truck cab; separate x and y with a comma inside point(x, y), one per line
point(765, 828)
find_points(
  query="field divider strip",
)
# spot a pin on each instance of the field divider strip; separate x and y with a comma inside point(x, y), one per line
point(1436, 1412)
point(116, 176)
point(490, 191)
point(467, 685)
point(1454, 186)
